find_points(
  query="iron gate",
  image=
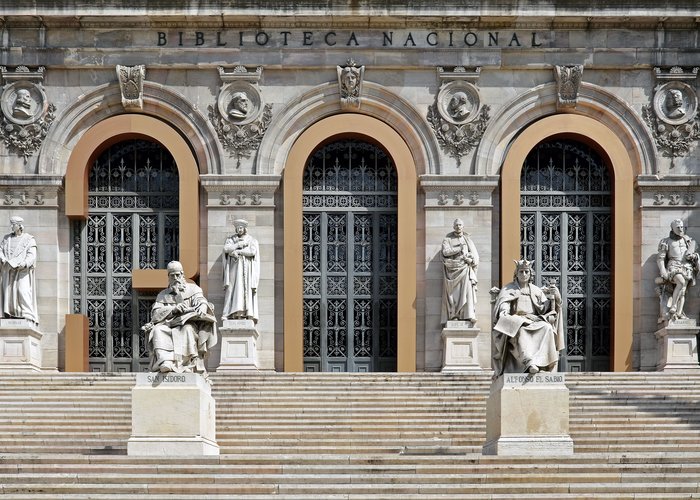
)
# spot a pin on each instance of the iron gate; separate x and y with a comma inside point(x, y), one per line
point(565, 226)
point(350, 259)
point(132, 223)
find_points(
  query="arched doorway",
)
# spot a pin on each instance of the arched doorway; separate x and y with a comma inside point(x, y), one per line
point(373, 131)
point(591, 132)
point(132, 223)
point(566, 229)
point(349, 258)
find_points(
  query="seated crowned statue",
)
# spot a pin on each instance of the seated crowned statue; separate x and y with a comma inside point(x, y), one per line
point(182, 328)
point(528, 331)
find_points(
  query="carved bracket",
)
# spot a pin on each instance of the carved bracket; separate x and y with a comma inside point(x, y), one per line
point(350, 78)
point(131, 80)
point(672, 115)
point(568, 83)
point(458, 117)
point(26, 113)
point(239, 116)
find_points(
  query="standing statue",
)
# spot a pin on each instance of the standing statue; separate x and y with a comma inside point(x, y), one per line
point(678, 265)
point(18, 283)
point(241, 274)
point(528, 331)
point(182, 328)
point(460, 262)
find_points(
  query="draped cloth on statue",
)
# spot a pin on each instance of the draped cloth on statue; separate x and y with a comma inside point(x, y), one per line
point(523, 336)
point(459, 278)
point(184, 339)
point(241, 276)
point(18, 278)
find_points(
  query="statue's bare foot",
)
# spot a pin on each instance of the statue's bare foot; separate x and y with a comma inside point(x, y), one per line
point(532, 369)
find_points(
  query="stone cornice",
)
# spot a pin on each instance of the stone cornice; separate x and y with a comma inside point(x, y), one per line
point(458, 191)
point(673, 191)
point(30, 191)
point(240, 190)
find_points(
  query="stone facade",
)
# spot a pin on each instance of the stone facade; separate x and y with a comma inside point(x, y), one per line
point(515, 66)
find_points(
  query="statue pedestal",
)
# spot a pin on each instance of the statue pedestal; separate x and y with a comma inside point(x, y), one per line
point(528, 415)
point(20, 346)
point(172, 414)
point(238, 345)
point(460, 353)
point(678, 346)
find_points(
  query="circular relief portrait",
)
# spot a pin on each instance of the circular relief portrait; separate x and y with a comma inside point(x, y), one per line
point(23, 102)
point(240, 102)
point(675, 103)
point(458, 102)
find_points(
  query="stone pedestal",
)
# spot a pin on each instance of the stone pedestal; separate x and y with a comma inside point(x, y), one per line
point(678, 346)
point(460, 352)
point(528, 415)
point(172, 414)
point(238, 345)
point(20, 346)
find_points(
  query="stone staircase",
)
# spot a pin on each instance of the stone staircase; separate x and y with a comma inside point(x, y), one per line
point(342, 436)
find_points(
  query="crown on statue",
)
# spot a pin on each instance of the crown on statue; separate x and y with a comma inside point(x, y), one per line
point(524, 264)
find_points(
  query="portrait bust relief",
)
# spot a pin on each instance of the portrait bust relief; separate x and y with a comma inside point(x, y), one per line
point(23, 102)
point(240, 102)
point(675, 103)
point(458, 102)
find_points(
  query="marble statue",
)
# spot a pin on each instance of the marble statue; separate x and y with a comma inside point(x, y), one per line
point(678, 266)
point(460, 262)
point(241, 274)
point(182, 328)
point(17, 258)
point(528, 330)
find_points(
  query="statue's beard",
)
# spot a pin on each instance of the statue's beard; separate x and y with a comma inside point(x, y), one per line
point(178, 284)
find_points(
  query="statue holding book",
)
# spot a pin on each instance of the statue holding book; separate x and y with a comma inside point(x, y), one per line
point(528, 330)
point(183, 327)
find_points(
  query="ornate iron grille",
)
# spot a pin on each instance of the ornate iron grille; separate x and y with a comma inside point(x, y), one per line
point(350, 259)
point(132, 223)
point(565, 226)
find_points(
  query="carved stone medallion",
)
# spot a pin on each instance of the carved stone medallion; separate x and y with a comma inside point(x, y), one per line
point(457, 117)
point(675, 103)
point(26, 112)
point(458, 102)
point(240, 102)
point(240, 116)
point(23, 102)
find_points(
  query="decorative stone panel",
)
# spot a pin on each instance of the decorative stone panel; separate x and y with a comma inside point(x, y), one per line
point(240, 117)
point(466, 191)
point(26, 112)
point(458, 116)
point(131, 80)
point(350, 78)
point(240, 190)
point(568, 83)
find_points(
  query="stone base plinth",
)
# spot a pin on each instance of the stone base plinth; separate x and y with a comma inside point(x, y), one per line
point(238, 345)
point(20, 346)
point(528, 415)
point(678, 346)
point(172, 414)
point(460, 352)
